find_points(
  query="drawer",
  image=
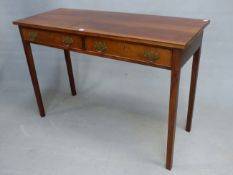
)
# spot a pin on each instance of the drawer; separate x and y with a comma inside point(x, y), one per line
point(129, 51)
point(53, 39)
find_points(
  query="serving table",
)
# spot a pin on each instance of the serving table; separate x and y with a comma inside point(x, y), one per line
point(157, 41)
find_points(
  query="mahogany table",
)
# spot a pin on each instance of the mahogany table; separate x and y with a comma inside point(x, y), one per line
point(158, 41)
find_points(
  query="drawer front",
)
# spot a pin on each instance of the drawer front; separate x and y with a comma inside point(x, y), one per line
point(135, 52)
point(54, 39)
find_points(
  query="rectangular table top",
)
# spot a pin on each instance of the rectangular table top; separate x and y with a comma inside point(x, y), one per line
point(166, 31)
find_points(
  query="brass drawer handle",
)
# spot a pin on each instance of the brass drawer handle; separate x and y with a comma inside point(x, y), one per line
point(100, 47)
point(151, 56)
point(67, 40)
point(32, 36)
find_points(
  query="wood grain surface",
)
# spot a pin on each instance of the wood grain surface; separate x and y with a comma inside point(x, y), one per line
point(161, 30)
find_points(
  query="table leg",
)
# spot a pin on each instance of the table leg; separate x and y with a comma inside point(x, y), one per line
point(174, 92)
point(32, 70)
point(70, 72)
point(195, 66)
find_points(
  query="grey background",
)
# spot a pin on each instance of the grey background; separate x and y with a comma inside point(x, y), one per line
point(118, 122)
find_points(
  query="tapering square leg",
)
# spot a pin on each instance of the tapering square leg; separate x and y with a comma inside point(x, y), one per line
point(195, 67)
point(70, 72)
point(174, 92)
point(33, 74)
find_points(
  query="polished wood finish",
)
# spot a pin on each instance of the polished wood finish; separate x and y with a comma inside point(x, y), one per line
point(157, 41)
point(130, 51)
point(151, 29)
point(32, 71)
point(53, 39)
point(70, 72)
point(192, 48)
point(193, 85)
point(174, 93)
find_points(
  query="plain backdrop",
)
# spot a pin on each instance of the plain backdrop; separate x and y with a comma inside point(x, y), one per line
point(117, 124)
